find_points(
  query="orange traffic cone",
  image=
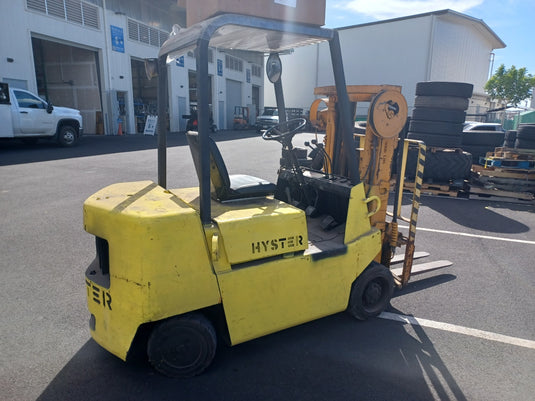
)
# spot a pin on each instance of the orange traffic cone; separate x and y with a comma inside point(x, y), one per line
point(120, 129)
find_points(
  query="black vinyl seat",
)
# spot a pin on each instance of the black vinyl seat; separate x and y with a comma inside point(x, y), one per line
point(225, 186)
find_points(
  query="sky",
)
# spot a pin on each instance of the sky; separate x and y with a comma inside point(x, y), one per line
point(512, 20)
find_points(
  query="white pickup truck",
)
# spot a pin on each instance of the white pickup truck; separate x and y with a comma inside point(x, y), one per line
point(26, 116)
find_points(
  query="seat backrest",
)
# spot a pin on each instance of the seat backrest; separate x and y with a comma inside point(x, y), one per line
point(219, 177)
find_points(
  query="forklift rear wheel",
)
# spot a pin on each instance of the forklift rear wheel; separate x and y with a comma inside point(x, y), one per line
point(183, 346)
point(371, 292)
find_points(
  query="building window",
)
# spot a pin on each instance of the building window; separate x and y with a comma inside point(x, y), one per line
point(233, 63)
point(210, 55)
point(140, 32)
point(256, 70)
point(75, 11)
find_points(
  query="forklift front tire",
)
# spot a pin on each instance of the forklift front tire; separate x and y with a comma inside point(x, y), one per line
point(371, 292)
point(182, 346)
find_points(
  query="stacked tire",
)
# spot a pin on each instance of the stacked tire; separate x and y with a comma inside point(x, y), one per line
point(439, 113)
point(437, 120)
point(478, 143)
point(525, 136)
point(509, 139)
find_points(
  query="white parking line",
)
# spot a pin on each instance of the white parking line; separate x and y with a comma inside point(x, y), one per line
point(486, 335)
point(522, 241)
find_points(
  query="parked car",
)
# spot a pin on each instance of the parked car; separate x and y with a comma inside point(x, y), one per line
point(26, 116)
point(268, 118)
point(481, 138)
point(475, 126)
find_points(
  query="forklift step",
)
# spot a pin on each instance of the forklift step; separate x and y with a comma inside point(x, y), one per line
point(401, 257)
point(424, 267)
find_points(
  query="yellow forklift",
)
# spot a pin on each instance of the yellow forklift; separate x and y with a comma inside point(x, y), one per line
point(238, 257)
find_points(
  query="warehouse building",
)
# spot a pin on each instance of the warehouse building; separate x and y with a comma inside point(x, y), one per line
point(89, 55)
point(437, 46)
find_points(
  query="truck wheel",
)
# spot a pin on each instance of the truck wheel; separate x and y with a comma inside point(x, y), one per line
point(437, 140)
point(67, 136)
point(437, 88)
point(435, 127)
point(371, 292)
point(446, 115)
point(441, 102)
point(182, 346)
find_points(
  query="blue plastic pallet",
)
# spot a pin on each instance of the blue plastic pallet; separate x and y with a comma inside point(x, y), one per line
point(507, 163)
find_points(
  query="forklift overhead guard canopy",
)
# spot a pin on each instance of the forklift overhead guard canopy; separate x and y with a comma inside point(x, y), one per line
point(239, 32)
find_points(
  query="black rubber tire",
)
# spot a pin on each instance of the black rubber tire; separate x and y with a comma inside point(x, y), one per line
point(492, 138)
point(67, 136)
point(522, 143)
point(441, 102)
point(427, 114)
point(441, 165)
point(371, 292)
point(436, 140)
point(182, 346)
point(509, 139)
point(437, 88)
point(526, 131)
point(435, 127)
point(477, 151)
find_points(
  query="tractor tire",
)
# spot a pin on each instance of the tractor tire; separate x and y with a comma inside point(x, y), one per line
point(371, 292)
point(455, 89)
point(483, 138)
point(441, 165)
point(441, 102)
point(435, 127)
point(437, 140)
point(182, 346)
point(445, 115)
point(477, 151)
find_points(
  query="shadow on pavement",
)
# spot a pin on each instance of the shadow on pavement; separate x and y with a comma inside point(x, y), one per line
point(335, 358)
point(16, 152)
point(476, 214)
point(424, 283)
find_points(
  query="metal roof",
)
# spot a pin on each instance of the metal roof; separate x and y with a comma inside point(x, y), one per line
point(497, 43)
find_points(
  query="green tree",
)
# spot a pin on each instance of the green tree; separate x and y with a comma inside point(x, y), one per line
point(510, 86)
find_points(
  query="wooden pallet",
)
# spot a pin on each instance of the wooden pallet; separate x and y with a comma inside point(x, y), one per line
point(503, 182)
point(527, 196)
point(513, 153)
point(498, 172)
point(434, 189)
point(509, 158)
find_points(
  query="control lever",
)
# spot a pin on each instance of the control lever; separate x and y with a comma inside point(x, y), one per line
point(313, 155)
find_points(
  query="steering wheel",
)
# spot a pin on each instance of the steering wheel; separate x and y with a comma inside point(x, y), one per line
point(284, 130)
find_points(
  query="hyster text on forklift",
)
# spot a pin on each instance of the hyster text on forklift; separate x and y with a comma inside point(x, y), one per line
point(239, 257)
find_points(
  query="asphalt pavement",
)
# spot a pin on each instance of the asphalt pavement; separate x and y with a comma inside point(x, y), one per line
point(466, 332)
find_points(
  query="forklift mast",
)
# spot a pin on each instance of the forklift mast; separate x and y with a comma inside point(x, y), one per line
point(386, 120)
